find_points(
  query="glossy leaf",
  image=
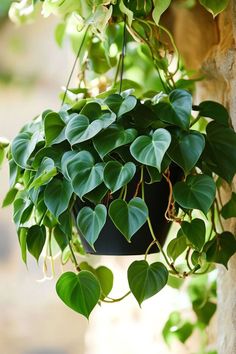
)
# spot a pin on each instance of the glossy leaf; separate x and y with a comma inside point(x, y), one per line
point(222, 142)
point(35, 240)
point(197, 192)
point(214, 110)
point(151, 150)
point(128, 217)
point(81, 292)
point(221, 248)
point(54, 128)
point(22, 208)
point(60, 238)
point(80, 129)
point(195, 232)
point(112, 138)
point(90, 222)
point(186, 148)
point(177, 246)
point(160, 6)
point(84, 173)
point(117, 175)
point(120, 105)
point(215, 6)
point(177, 110)
point(22, 147)
point(22, 236)
point(229, 209)
point(146, 280)
point(45, 173)
point(9, 197)
point(57, 196)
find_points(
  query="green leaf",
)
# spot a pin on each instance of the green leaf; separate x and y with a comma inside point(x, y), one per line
point(177, 328)
point(80, 129)
point(90, 222)
point(59, 33)
point(54, 128)
point(204, 312)
point(84, 173)
point(22, 235)
point(96, 195)
point(57, 196)
point(117, 175)
point(215, 111)
point(60, 238)
point(45, 173)
point(176, 247)
point(195, 232)
point(146, 280)
point(120, 105)
point(127, 12)
point(151, 150)
point(128, 217)
point(2, 155)
point(10, 197)
point(35, 240)
point(177, 111)
point(22, 208)
point(229, 209)
point(160, 6)
point(214, 6)
point(81, 292)
point(222, 143)
point(22, 147)
point(221, 248)
point(186, 148)
point(197, 192)
point(112, 138)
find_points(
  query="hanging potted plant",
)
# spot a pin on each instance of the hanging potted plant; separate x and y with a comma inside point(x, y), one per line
point(109, 174)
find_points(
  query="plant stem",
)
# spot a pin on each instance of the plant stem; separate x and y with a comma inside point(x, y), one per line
point(111, 300)
point(74, 65)
point(123, 55)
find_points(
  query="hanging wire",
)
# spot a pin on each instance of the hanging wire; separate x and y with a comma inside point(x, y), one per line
point(123, 55)
point(74, 65)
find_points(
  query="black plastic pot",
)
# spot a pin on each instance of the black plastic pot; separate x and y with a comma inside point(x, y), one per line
point(112, 242)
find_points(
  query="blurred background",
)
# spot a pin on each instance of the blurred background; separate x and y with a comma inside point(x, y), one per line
point(32, 318)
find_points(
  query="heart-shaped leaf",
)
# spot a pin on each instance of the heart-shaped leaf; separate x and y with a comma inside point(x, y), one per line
point(186, 148)
point(91, 110)
point(177, 246)
point(221, 248)
point(177, 111)
point(23, 207)
point(128, 217)
point(215, 6)
point(197, 192)
point(80, 129)
point(57, 196)
point(146, 280)
point(195, 232)
point(22, 147)
point(35, 240)
point(84, 173)
point(151, 150)
point(117, 175)
point(90, 222)
point(112, 138)
point(45, 173)
point(54, 128)
point(159, 8)
point(229, 209)
point(120, 105)
point(215, 111)
point(222, 141)
point(81, 292)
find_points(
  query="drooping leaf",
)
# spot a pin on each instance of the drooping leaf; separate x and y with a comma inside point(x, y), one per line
point(36, 237)
point(146, 280)
point(45, 173)
point(22, 236)
point(22, 208)
point(215, 111)
point(81, 292)
point(9, 197)
point(80, 129)
point(177, 110)
point(197, 192)
point(177, 246)
point(96, 195)
point(85, 174)
point(151, 150)
point(160, 6)
point(221, 248)
point(229, 209)
point(117, 175)
point(57, 196)
point(90, 222)
point(214, 6)
point(222, 151)
point(128, 217)
point(54, 128)
point(195, 232)
point(22, 147)
point(186, 148)
point(112, 138)
point(60, 238)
